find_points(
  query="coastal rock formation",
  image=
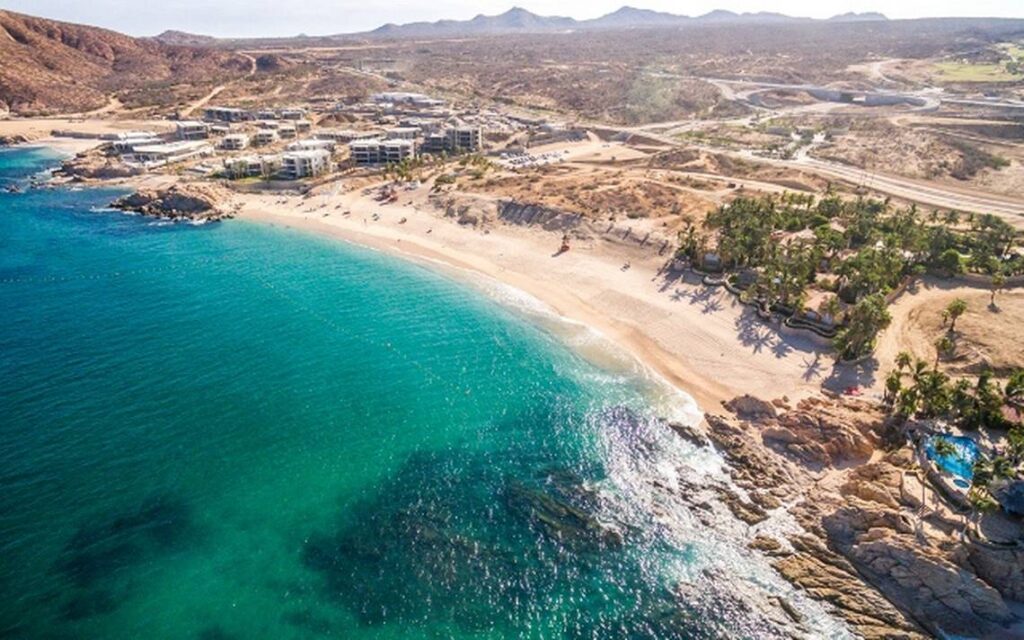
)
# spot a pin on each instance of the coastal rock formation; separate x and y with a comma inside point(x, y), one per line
point(829, 577)
point(822, 433)
point(191, 201)
point(94, 165)
point(1001, 568)
point(880, 545)
point(13, 139)
point(558, 518)
point(914, 563)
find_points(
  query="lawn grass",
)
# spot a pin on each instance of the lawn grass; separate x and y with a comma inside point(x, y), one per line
point(1014, 50)
point(960, 72)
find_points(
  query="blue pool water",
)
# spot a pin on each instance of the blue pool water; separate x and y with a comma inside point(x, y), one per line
point(960, 463)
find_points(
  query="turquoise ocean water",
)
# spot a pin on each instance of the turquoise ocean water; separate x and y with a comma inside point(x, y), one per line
point(237, 431)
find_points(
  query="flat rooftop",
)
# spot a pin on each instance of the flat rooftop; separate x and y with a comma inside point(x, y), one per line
point(173, 147)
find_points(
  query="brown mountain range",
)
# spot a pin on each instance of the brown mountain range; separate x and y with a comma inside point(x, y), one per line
point(48, 66)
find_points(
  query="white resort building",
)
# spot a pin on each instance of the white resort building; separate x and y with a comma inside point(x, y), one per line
point(225, 114)
point(305, 164)
point(235, 142)
point(252, 167)
point(464, 138)
point(346, 135)
point(157, 155)
point(374, 152)
point(403, 133)
point(458, 139)
point(265, 136)
point(302, 145)
point(127, 141)
point(192, 130)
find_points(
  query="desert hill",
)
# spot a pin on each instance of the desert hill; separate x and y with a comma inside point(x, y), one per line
point(51, 66)
point(184, 39)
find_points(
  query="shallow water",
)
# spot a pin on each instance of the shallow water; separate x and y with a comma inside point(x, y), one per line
point(238, 431)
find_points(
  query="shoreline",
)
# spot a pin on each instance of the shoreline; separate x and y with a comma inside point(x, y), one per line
point(683, 341)
point(654, 360)
point(637, 345)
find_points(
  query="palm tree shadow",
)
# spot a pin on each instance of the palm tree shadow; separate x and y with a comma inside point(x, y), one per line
point(844, 376)
point(751, 332)
point(712, 306)
point(813, 369)
point(782, 348)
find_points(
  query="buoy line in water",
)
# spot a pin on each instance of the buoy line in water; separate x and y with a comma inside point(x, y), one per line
point(112, 275)
point(331, 324)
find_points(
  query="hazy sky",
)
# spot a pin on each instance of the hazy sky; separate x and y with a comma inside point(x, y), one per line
point(319, 17)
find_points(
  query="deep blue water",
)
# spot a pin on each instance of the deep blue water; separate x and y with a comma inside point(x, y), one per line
point(239, 431)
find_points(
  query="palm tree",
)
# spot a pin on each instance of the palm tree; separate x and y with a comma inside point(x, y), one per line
point(989, 400)
point(1002, 467)
point(953, 311)
point(978, 495)
point(943, 346)
point(868, 317)
point(944, 447)
point(893, 386)
point(1013, 393)
point(907, 401)
point(1015, 444)
point(903, 360)
point(998, 282)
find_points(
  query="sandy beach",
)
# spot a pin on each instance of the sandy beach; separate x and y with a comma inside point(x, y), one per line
point(700, 339)
point(41, 129)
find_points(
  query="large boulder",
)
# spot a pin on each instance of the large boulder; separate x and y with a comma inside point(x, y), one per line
point(192, 201)
point(94, 165)
point(747, 407)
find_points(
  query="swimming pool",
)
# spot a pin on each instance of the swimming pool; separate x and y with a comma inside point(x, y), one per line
point(961, 463)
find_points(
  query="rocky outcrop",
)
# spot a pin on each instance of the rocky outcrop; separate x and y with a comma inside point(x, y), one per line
point(468, 211)
point(13, 139)
point(830, 578)
point(557, 517)
point(186, 201)
point(1003, 568)
point(879, 545)
point(95, 165)
point(823, 433)
point(873, 527)
point(527, 214)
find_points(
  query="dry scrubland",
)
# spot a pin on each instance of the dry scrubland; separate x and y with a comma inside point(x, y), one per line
point(986, 337)
point(51, 66)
